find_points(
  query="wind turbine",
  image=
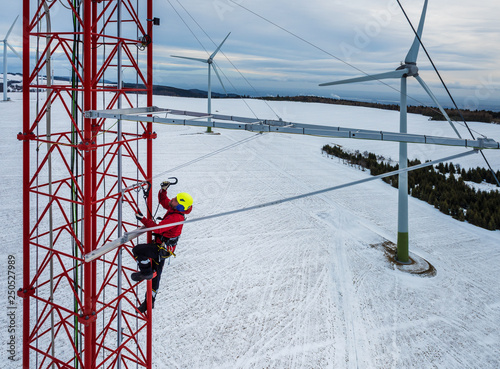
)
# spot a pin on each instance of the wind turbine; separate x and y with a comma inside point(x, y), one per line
point(209, 61)
point(5, 45)
point(408, 69)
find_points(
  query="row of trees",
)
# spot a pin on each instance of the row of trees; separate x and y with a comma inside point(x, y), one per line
point(443, 187)
point(477, 175)
point(486, 116)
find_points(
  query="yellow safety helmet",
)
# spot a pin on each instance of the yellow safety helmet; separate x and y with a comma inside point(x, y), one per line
point(185, 201)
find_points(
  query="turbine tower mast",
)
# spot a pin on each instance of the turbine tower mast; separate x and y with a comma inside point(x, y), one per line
point(77, 314)
point(408, 69)
point(5, 46)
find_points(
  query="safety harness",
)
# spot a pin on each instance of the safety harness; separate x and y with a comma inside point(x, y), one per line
point(165, 245)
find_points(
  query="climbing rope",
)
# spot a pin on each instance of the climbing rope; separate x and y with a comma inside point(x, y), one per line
point(447, 90)
point(234, 144)
point(134, 234)
point(227, 58)
point(238, 3)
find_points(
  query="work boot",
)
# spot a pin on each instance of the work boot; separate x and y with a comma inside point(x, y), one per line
point(144, 306)
point(140, 276)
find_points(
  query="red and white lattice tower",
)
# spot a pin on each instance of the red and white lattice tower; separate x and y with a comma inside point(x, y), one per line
point(79, 177)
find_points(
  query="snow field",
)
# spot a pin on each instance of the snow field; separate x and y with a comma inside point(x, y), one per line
point(299, 284)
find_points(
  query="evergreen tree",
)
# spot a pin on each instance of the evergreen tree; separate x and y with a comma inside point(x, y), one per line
point(452, 168)
point(450, 195)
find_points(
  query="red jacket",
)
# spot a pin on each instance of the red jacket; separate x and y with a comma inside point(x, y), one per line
point(172, 216)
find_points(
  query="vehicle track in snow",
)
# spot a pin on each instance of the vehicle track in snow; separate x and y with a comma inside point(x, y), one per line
point(264, 332)
point(342, 277)
point(245, 313)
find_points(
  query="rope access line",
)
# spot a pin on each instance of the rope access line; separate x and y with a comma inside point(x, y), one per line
point(307, 42)
point(189, 28)
point(434, 66)
point(234, 66)
point(318, 47)
point(139, 185)
point(137, 232)
point(229, 60)
point(234, 144)
point(361, 71)
point(446, 88)
point(332, 55)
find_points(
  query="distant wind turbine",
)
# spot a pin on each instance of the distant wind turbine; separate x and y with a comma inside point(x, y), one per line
point(5, 45)
point(408, 69)
point(209, 61)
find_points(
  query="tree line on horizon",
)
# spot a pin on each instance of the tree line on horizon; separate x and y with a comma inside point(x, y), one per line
point(442, 186)
point(485, 116)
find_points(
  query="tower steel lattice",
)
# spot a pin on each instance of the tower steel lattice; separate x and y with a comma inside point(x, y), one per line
point(79, 177)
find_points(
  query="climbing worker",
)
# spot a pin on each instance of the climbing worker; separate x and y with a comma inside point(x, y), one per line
point(151, 256)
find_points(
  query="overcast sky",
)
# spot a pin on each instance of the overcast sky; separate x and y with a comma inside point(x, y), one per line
point(334, 38)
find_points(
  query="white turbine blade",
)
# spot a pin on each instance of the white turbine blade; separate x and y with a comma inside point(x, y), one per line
point(411, 57)
point(218, 76)
point(13, 50)
point(429, 92)
point(10, 29)
point(185, 57)
point(374, 77)
point(217, 50)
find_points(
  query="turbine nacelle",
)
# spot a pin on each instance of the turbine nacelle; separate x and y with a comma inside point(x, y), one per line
point(210, 62)
point(211, 65)
point(411, 70)
point(407, 69)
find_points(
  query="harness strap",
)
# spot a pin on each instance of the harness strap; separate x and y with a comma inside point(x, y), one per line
point(165, 240)
point(165, 245)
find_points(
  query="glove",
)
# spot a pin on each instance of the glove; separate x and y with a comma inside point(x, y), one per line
point(164, 185)
point(139, 215)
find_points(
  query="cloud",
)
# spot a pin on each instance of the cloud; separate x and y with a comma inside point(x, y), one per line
point(302, 44)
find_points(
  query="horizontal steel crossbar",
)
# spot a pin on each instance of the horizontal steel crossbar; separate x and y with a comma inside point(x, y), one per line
point(256, 125)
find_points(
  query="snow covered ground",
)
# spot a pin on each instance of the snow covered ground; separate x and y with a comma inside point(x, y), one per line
point(300, 284)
